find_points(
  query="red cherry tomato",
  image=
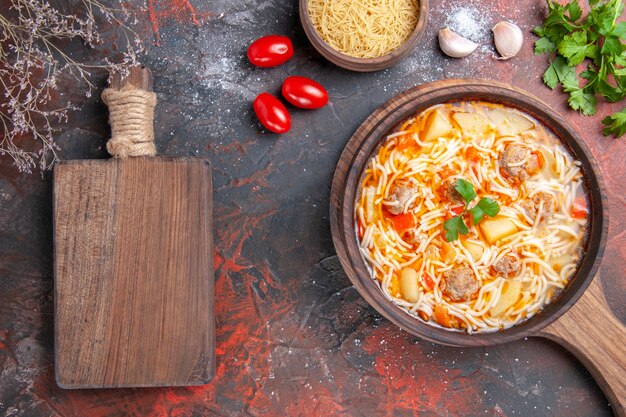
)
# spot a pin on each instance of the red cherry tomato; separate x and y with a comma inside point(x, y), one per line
point(579, 208)
point(428, 281)
point(304, 93)
point(270, 51)
point(272, 113)
point(402, 222)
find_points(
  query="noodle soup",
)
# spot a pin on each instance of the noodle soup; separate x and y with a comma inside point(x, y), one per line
point(472, 216)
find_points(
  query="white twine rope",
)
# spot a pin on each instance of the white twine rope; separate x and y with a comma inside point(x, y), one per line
point(131, 116)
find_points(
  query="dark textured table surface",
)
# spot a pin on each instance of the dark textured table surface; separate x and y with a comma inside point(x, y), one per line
point(293, 336)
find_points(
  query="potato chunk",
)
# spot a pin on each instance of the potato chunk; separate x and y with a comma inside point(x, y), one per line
point(408, 284)
point(497, 228)
point(370, 209)
point(475, 250)
point(437, 125)
point(559, 262)
point(511, 292)
point(510, 123)
point(472, 124)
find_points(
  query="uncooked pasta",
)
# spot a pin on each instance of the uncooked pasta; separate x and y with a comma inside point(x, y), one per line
point(364, 28)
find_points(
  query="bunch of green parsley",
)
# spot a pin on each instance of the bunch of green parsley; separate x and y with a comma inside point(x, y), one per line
point(570, 38)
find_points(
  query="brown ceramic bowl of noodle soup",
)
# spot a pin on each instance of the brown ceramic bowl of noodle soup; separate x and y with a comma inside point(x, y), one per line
point(508, 274)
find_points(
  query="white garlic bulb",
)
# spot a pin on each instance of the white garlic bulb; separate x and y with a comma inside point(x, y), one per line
point(455, 45)
point(508, 38)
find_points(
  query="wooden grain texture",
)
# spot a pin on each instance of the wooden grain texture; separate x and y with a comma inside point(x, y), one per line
point(133, 272)
point(597, 338)
point(363, 64)
point(345, 189)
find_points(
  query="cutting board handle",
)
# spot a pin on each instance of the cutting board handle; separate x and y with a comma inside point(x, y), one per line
point(591, 332)
point(131, 103)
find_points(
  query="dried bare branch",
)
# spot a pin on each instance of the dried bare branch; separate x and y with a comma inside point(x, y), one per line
point(32, 62)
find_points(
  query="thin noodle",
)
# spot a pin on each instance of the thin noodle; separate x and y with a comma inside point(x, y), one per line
point(364, 28)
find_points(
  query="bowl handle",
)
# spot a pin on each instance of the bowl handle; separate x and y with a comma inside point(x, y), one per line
point(591, 332)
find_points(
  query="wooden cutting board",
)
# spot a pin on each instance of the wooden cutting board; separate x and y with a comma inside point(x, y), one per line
point(133, 270)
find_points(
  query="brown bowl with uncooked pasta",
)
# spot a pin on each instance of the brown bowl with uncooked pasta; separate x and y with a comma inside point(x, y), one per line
point(470, 213)
point(364, 35)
